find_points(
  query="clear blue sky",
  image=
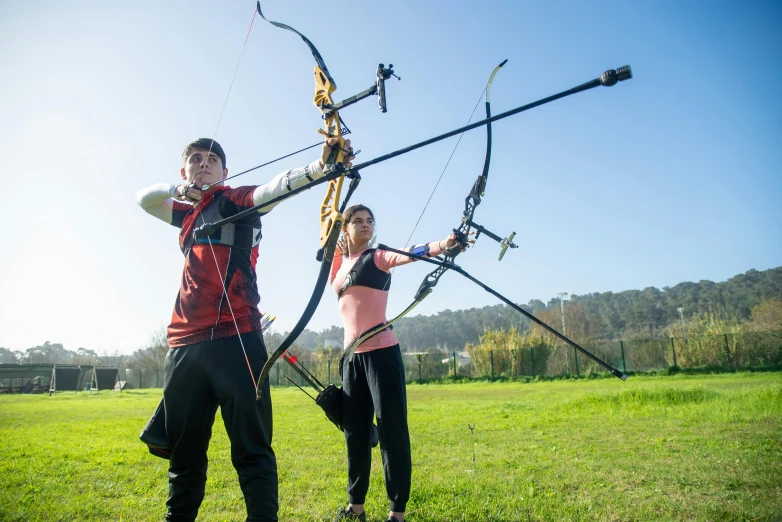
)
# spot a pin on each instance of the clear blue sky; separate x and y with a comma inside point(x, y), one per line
point(673, 176)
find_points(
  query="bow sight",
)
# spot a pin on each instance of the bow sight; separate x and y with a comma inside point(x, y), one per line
point(383, 74)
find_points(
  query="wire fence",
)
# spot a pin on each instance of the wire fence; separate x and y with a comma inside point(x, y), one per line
point(722, 352)
point(719, 352)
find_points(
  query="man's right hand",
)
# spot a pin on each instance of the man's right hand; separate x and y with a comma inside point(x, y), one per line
point(187, 193)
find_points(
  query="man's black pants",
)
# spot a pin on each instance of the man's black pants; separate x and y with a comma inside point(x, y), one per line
point(199, 378)
point(374, 383)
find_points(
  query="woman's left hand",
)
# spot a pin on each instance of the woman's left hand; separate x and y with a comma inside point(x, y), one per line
point(451, 242)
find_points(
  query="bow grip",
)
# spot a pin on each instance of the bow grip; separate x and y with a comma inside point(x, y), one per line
point(337, 152)
point(334, 131)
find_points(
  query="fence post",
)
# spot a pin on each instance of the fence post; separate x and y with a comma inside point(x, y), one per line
point(673, 348)
point(532, 356)
point(575, 358)
point(278, 375)
point(727, 351)
point(491, 356)
point(664, 348)
point(624, 364)
point(454, 365)
point(512, 363)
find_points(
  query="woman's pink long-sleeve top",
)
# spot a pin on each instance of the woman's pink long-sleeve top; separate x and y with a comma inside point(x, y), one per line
point(361, 307)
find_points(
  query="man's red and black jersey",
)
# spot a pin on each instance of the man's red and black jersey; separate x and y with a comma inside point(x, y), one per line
point(202, 311)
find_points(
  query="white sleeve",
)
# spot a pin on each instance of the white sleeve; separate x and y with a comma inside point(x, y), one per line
point(285, 182)
point(157, 200)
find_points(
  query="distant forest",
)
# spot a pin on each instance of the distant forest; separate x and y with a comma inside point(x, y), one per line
point(598, 317)
point(619, 315)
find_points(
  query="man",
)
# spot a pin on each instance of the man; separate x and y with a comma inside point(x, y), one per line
point(216, 349)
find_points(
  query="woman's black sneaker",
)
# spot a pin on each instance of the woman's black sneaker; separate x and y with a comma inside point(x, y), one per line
point(347, 514)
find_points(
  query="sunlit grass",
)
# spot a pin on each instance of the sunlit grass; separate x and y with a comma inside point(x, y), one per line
point(652, 448)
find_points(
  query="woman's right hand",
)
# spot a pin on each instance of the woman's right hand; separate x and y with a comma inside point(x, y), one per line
point(342, 245)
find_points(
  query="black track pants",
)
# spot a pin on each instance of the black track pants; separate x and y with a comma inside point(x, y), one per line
point(199, 378)
point(374, 383)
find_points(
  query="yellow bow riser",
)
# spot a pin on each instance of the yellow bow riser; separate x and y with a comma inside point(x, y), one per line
point(329, 214)
point(329, 211)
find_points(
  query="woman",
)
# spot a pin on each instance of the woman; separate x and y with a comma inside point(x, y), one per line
point(374, 381)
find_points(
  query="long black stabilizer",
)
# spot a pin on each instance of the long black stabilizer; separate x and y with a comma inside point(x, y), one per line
point(607, 79)
point(457, 268)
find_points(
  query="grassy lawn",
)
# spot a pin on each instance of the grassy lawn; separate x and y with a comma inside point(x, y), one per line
point(652, 448)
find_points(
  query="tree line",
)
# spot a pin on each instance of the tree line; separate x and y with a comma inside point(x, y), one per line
point(152, 356)
point(603, 316)
point(596, 317)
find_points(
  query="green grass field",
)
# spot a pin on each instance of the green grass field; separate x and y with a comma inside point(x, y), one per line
point(652, 448)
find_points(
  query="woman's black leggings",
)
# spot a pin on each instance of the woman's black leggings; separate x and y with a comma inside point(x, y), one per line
point(374, 383)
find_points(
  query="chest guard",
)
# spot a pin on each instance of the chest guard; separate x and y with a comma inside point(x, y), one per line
point(245, 233)
point(366, 273)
